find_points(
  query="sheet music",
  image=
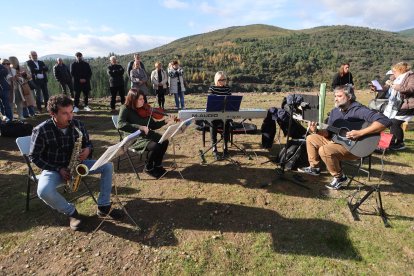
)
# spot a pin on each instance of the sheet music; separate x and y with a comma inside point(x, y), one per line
point(376, 84)
point(116, 150)
point(175, 129)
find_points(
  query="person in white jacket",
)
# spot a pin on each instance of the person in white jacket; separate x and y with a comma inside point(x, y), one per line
point(176, 82)
point(159, 83)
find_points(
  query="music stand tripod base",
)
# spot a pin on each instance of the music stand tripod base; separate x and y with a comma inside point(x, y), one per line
point(380, 210)
point(107, 217)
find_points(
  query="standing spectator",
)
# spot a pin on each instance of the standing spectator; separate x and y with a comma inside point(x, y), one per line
point(81, 73)
point(23, 95)
point(4, 93)
point(159, 83)
point(343, 76)
point(176, 82)
point(62, 75)
point(404, 84)
point(116, 81)
point(11, 79)
point(38, 70)
point(137, 58)
point(139, 79)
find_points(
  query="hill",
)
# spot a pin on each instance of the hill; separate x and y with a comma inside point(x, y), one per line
point(408, 32)
point(268, 58)
point(55, 56)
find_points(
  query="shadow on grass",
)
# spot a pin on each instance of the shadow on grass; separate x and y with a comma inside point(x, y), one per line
point(159, 219)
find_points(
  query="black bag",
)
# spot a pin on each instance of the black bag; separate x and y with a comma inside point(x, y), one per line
point(294, 155)
point(15, 129)
point(268, 130)
point(378, 104)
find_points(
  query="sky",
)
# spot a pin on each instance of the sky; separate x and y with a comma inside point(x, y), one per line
point(99, 27)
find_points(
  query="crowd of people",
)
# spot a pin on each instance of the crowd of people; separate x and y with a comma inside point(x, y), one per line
point(24, 88)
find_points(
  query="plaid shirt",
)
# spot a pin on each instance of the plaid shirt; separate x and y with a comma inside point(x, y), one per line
point(51, 149)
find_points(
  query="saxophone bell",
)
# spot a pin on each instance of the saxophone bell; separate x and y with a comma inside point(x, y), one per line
point(82, 170)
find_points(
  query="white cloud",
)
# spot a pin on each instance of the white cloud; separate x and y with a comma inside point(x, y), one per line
point(47, 26)
point(387, 15)
point(175, 4)
point(89, 45)
point(29, 32)
point(242, 12)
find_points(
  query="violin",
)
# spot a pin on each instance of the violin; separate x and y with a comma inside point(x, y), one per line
point(156, 113)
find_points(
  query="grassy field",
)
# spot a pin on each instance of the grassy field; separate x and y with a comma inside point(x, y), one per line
point(224, 218)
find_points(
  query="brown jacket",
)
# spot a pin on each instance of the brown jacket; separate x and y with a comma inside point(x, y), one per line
point(406, 89)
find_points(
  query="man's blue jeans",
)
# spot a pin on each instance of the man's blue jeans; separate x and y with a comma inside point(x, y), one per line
point(179, 97)
point(49, 181)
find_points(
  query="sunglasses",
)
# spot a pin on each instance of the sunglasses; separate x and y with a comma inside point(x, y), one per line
point(222, 79)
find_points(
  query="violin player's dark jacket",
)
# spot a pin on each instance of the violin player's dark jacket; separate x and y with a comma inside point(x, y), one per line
point(129, 121)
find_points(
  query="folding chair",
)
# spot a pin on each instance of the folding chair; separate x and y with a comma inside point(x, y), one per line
point(23, 143)
point(383, 145)
point(128, 156)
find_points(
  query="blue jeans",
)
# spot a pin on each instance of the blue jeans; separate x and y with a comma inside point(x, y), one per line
point(5, 105)
point(28, 111)
point(179, 97)
point(50, 180)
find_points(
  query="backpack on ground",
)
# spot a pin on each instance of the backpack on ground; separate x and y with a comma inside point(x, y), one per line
point(15, 129)
point(293, 155)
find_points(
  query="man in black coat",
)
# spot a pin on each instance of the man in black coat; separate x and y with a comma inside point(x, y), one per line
point(81, 73)
point(38, 70)
point(116, 81)
point(62, 75)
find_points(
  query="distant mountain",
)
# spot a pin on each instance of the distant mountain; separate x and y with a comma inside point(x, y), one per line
point(55, 56)
point(408, 32)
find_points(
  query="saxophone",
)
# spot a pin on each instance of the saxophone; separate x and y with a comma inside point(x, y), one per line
point(77, 170)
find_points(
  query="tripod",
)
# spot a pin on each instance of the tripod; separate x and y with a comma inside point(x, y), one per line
point(174, 166)
point(281, 171)
point(354, 207)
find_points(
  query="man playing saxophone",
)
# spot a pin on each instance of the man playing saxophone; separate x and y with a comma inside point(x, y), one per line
point(51, 149)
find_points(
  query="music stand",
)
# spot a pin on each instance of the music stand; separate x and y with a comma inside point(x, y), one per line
point(170, 133)
point(222, 103)
point(110, 154)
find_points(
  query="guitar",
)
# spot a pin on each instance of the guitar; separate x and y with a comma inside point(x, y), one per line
point(362, 147)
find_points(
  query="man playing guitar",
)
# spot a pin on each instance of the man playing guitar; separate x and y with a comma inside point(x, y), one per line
point(333, 144)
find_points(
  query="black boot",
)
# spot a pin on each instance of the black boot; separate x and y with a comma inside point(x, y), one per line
point(105, 211)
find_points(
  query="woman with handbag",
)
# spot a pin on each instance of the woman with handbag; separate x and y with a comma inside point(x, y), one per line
point(22, 89)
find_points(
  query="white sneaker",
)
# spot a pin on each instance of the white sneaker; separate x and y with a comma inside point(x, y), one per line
point(75, 110)
point(87, 108)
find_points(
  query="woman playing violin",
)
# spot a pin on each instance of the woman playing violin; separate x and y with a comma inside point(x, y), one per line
point(134, 115)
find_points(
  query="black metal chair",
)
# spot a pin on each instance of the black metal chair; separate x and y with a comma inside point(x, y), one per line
point(127, 153)
point(353, 203)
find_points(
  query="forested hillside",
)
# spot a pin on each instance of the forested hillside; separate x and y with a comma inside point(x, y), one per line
point(267, 58)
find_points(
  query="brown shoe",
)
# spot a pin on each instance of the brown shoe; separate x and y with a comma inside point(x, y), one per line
point(75, 221)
